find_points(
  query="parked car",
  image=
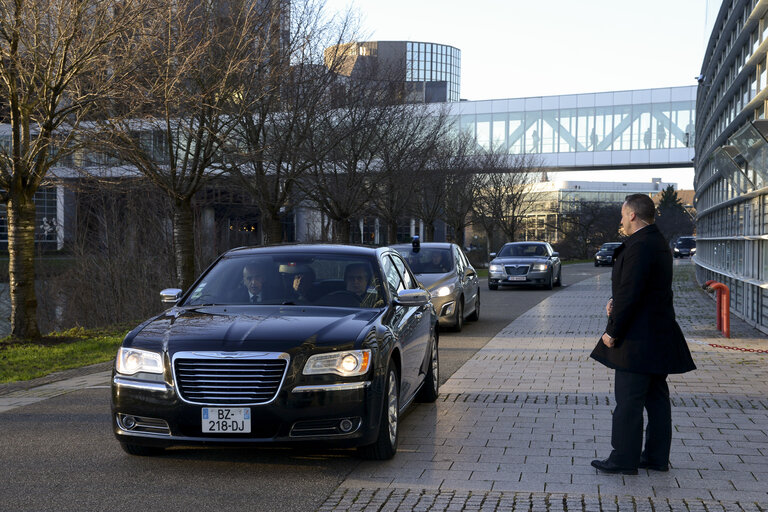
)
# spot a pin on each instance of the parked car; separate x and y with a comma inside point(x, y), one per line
point(525, 263)
point(452, 281)
point(684, 247)
point(604, 256)
point(244, 358)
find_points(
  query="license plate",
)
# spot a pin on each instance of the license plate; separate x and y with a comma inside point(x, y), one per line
point(232, 420)
point(516, 278)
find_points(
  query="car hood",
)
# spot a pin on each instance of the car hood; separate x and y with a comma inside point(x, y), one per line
point(261, 328)
point(605, 253)
point(435, 281)
point(519, 260)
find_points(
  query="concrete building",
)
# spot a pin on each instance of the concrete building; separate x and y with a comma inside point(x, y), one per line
point(731, 161)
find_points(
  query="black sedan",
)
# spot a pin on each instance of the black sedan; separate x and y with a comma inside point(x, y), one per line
point(525, 263)
point(281, 344)
point(605, 255)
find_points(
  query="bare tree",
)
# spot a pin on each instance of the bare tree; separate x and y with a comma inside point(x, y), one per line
point(345, 144)
point(285, 93)
point(54, 62)
point(585, 225)
point(176, 114)
point(455, 187)
point(409, 158)
point(504, 196)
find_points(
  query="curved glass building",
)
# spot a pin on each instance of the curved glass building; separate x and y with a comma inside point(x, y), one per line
point(732, 159)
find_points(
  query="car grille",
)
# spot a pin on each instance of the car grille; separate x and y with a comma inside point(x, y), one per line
point(229, 381)
point(519, 270)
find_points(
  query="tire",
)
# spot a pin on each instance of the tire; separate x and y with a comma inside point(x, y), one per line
point(475, 315)
point(493, 286)
point(385, 446)
point(597, 264)
point(559, 281)
point(141, 451)
point(549, 284)
point(459, 322)
point(429, 390)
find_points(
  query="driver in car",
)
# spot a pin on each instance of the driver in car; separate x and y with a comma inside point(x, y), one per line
point(357, 277)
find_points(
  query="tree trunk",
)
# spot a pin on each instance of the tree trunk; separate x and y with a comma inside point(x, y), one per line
point(429, 232)
point(392, 232)
point(344, 234)
point(184, 243)
point(273, 228)
point(21, 267)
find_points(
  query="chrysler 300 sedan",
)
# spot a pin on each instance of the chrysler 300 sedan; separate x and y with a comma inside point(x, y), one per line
point(525, 263)
point(452, 281)
point(281, 344)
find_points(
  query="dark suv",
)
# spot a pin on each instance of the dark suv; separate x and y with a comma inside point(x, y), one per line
point(684, 247)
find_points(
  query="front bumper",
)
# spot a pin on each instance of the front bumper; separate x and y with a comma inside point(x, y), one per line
point(345, 414)
point(533, 277)
point(445, 307)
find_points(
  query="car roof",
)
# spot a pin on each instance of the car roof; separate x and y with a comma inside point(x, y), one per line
point(423, 245)
point(307, 248)
point(526, 243)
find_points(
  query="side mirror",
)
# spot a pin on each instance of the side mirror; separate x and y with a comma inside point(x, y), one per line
point(170, 295)
point(492, 255)
point(469, 272)
point(414, 297)
point(555, 254)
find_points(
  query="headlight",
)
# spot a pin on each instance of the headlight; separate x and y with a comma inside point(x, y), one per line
point(693, 250)
point(443, 291)
point(677, 250)
point(539, 267)
point(346, 364)
point(496, 268)
point(132, 360)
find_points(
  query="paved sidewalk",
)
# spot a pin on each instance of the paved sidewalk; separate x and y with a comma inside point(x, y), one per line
point(516, 427)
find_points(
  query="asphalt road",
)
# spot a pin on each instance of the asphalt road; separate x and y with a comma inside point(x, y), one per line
point(60, 455)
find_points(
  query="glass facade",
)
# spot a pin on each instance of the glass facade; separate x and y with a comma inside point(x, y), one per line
point(732, 159)
point(437, 68)
point(640, 128)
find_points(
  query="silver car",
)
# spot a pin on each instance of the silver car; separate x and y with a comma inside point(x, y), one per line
point(452, 281)
point(525, 263)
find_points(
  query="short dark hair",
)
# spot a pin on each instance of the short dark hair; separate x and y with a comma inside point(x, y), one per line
point(643, 207)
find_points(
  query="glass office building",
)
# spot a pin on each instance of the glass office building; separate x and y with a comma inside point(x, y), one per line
point(732, 159)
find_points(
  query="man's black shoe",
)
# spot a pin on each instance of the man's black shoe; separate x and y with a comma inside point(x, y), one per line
point(609, 467)
point(644, 464)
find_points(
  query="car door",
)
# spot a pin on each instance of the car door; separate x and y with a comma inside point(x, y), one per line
point(469, 280)
point(414, 331)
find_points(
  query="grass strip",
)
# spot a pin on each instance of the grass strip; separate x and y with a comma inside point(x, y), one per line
point(30, 359)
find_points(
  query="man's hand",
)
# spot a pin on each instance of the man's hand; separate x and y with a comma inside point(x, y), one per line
point(609, 307)
point(608, 341)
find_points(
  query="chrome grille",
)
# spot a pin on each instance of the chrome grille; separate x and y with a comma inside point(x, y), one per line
point(228, 381)
point(517, 270)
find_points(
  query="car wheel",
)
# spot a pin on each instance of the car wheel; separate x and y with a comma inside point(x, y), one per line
point(493, 286)
point(559, 281)
point(458, 324)
point(385, 446)
point(475, 315)
point(597, 264)
point(549, 284)
point(429, 390)
point(141, 451)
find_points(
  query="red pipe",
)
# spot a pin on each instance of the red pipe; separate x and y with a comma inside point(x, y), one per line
point(723, 306)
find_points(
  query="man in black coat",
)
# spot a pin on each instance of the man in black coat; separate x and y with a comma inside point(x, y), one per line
point(642, 342)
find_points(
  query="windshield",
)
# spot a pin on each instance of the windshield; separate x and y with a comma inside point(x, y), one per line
point(524, 250)
point(686, 243)
point(428, 261)
point(609, 247)
point(320, 280)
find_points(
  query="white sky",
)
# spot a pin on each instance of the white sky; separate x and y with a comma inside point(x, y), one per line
point(518, 48)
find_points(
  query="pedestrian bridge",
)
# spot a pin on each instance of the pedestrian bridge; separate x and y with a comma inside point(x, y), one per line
point(644, 128)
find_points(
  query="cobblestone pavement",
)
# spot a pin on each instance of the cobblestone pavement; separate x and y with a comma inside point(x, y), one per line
point(516, 427)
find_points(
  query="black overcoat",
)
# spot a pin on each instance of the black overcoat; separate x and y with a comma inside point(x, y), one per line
point(648, 339)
